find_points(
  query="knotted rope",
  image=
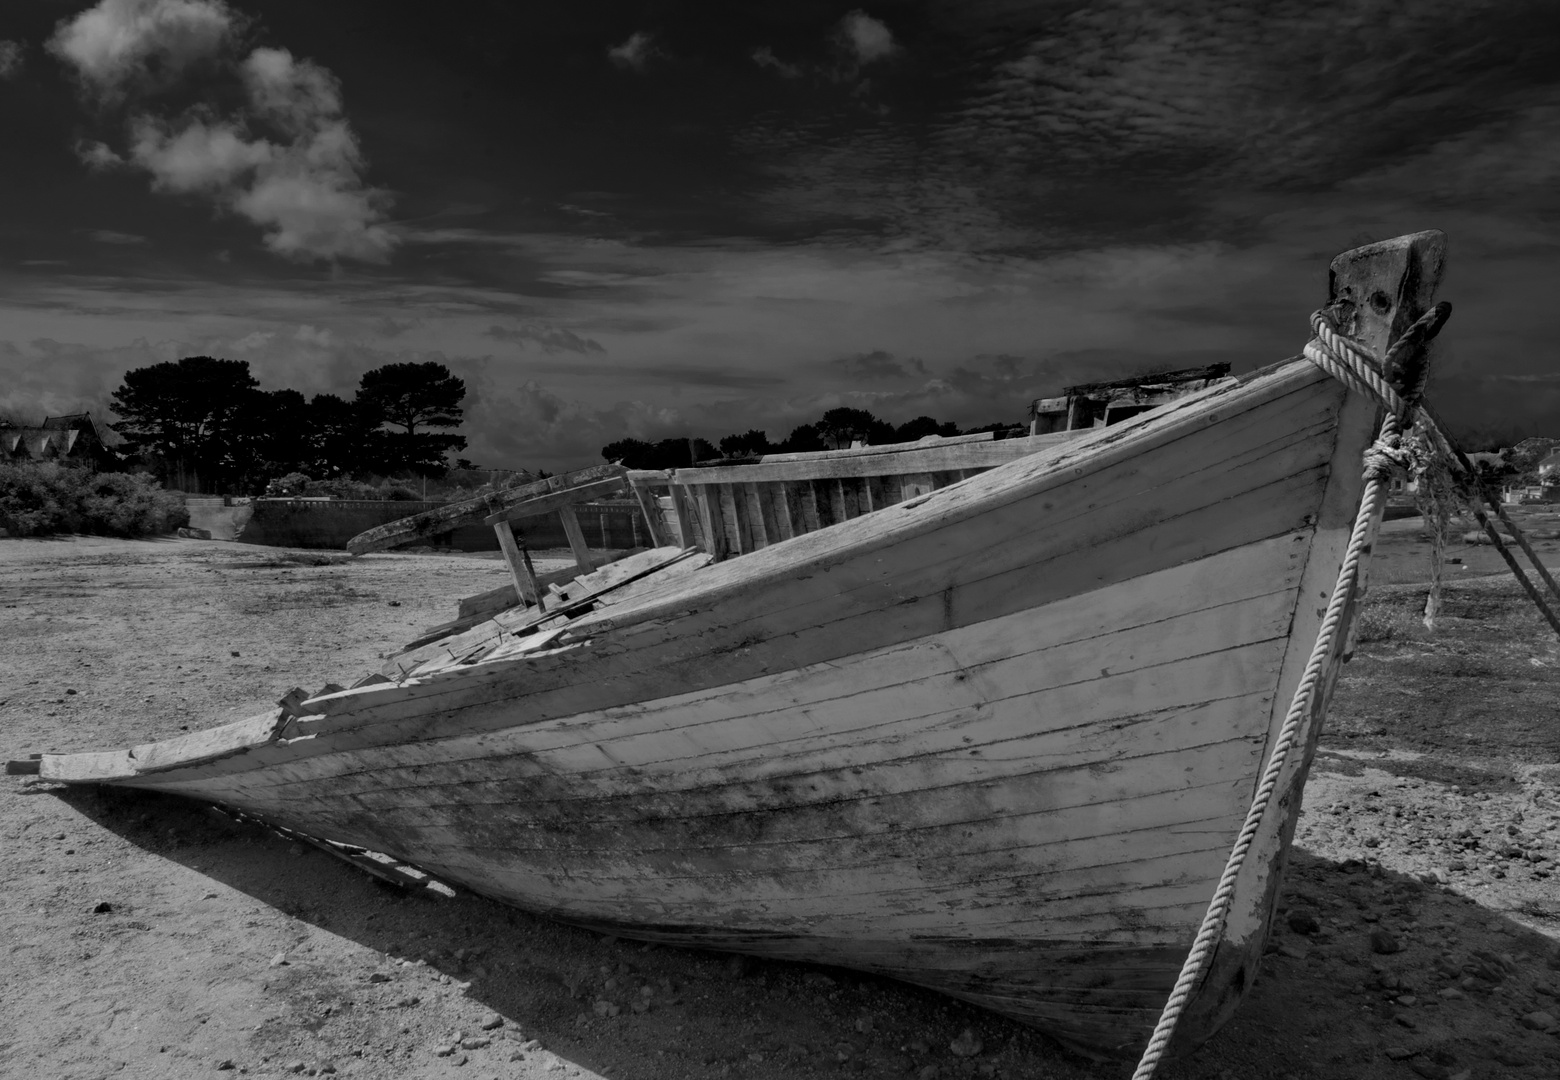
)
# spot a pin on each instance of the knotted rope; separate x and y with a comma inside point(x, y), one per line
point(1349, 362)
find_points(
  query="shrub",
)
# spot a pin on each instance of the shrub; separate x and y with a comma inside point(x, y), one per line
point(40, 498)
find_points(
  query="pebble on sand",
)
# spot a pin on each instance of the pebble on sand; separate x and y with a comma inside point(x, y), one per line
point(1384, 943)
point(967, 1044)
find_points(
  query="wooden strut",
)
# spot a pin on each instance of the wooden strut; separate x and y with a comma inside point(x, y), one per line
point(1481, 490)
point(520, 568)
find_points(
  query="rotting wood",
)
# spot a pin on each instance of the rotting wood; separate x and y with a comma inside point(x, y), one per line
point(685, 530)
point(558, 500)
point(645, 496)
point(850, 463)
point(523, 574)
point(444, 518)
point(577, 545)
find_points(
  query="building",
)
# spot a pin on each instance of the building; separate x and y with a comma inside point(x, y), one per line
point(73, 438)
point(1102, 404)
point(1549, 468)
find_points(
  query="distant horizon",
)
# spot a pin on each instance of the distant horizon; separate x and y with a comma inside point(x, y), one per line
point(697, 221)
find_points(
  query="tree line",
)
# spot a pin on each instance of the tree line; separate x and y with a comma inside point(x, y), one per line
point(204, 424)
point(834, 430)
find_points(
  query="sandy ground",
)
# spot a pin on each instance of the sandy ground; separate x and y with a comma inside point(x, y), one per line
point(147, 937)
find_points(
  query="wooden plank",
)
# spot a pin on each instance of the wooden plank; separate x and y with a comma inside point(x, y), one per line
point(761, 515)
point(880, 448)
point(546, 504)
point(571, 529)
point(893, 489)
point(808, 501)
point(645, 496)
point(1051, 554)
point(711, 518)
point(444, 518)
point(686, 533)
point(914, 484)
point(850, 463)
point(850, 497)
point(520, 570)
point(780, 502)
point(730, 523)
point(837, 512)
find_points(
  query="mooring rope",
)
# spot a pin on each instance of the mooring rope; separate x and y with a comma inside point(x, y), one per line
point(1349, 362)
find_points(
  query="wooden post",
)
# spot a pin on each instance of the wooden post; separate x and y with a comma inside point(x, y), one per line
point(520, 568)
point(571, 529)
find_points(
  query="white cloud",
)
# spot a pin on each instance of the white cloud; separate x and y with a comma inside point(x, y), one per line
point(302, 184)
point(635, 53)
point(197, 157)
point(765, 57)
point(12, 59)
point(112, 236)
point(867, 38)
point(297, 95)
point(120, 42)
point(97, 155)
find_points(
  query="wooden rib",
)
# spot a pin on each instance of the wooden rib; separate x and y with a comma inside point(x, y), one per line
point(760, 518)
point(577, 545)
point(850, 498)
point(780, 498)
point(914, 484)
point(686, 533)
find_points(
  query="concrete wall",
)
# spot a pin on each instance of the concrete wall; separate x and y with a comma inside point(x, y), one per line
point(306, 524)
point(222, 521)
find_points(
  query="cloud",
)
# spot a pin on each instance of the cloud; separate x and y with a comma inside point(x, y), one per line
point(635, 53)
point(765, 57)
point(12, 59)
point(879, 364)
point(110, 236)
point(551, 339)
point(97, 155)
point(286, 159)
point(866, 38)
point(120, 43)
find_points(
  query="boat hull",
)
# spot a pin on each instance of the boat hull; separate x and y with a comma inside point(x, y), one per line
point(996, 741)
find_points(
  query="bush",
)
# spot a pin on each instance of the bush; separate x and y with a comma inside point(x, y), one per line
point(41, 498)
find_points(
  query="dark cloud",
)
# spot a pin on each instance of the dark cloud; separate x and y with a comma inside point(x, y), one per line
point(13, 60)
point(879, 364)
point(550, 339)
point(635, 53)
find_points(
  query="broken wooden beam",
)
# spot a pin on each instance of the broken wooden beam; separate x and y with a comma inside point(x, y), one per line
point(441, 519)
point(556, 500)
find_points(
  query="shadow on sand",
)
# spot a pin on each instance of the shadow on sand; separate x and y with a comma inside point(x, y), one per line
point(1328, 1004)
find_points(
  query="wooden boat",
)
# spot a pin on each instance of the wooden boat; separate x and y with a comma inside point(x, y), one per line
point(995, 739)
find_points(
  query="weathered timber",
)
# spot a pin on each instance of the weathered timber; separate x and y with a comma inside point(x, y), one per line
point(526, 586)
point(444, 518)
point(577, 545)
point(853, 463)
point(557, 500)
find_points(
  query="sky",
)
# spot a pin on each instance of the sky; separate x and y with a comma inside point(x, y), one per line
point(668, 219)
